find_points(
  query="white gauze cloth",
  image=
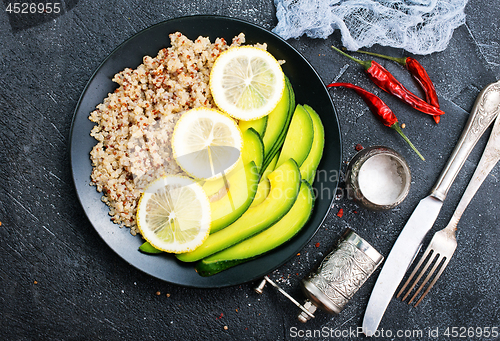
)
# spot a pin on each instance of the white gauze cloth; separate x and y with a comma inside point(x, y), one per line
point(418, 26)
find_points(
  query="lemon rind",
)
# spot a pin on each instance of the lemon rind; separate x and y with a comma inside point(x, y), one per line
point(239, 147)
point(207, 219)
point(236, 113)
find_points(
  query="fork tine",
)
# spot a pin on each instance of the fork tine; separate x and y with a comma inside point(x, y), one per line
point(424, 257)
point(427, 257)
point(445, 263)
point(437, 261)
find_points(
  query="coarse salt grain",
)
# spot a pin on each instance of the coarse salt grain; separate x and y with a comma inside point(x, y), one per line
point(379, 180)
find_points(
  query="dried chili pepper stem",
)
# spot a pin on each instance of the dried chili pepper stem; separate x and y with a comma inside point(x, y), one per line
point(397, 128)
point(402, 60)
point(419, 73)
point(380, 110)
point(387, 82)
point(365, 63)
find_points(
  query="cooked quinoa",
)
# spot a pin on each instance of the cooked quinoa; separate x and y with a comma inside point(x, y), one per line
point(135, 123)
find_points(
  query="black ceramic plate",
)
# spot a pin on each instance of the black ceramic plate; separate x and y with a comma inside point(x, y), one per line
point(309, 89)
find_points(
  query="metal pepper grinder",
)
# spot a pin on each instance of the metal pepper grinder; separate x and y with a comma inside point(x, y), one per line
point(339, 276)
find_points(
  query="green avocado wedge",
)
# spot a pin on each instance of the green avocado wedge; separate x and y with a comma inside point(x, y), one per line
point(259, 125)
point(310, 164)
point(285, 184)
point(277, 123)
point(281, 139)
point(264, 184)
point(146, 247)
point(242, 187)
point(253, 148)
point(299, 138)
point(264, 241)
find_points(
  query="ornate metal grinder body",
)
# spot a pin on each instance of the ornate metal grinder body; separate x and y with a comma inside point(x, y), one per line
point(340, 275)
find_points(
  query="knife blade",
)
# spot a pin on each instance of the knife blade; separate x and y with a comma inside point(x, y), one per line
point(399, 259)
point(409, 241)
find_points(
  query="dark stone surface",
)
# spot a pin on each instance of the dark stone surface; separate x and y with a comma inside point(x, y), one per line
point(60, 281)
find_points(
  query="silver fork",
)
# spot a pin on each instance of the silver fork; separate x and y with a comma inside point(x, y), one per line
point(444, 242)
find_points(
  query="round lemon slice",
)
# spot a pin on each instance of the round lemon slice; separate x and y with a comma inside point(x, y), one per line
point(246, 82)
point(173, 214)
point(206, 143)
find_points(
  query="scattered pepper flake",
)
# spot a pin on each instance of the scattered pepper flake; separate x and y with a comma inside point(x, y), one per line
point(221, 316)
point(35, 282)
point(340, 213)
point(359, 147)
point(298, 254)
point(317, 245)
point(355, 212)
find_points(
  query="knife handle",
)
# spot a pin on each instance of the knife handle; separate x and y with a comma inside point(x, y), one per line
point(485, 110)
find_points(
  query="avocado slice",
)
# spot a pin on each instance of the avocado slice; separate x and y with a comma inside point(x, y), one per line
point(259, 125)
point(242, 187)
point(310, 164)
point(299, 138)
point(279, 143)
point(146, 247)
point(253, 150)
point(216, 187)
point(277, 122)
point(264, 241)
point(285, 184)
point(264, 184)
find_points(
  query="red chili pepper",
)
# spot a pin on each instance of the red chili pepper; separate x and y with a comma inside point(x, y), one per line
point(421, 76)
point(379, 109)
point(387, 82)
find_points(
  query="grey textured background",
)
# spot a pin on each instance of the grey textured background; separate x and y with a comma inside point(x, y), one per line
point(60, 281)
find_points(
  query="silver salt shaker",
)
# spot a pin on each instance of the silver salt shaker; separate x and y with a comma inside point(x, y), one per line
point(378, 178)
point(339, 276)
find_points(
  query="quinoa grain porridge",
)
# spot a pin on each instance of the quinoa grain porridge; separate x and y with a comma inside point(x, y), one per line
point(135, 123)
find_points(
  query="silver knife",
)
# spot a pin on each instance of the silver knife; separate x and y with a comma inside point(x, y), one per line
point(485, 110)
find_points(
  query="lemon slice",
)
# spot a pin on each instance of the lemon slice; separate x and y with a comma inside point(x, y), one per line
point(173, 214)
point(206, 143)
point(246, 82)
